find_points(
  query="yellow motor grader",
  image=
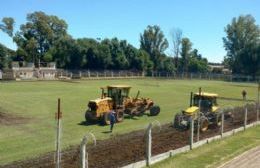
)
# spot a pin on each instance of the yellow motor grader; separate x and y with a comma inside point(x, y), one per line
point(203, 109)
point(116, 98)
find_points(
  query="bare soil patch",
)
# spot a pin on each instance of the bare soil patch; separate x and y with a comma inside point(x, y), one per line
point(11, 119)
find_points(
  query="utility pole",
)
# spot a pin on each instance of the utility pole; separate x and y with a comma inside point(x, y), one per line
point(58, 117)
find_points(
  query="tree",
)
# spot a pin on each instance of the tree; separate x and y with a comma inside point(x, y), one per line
point(185, 53)
point(242, 45)
point(7, 26)
point(38, 35)
point(144, 62)
point(154, 43)
point(176, 35)
point(5, 56)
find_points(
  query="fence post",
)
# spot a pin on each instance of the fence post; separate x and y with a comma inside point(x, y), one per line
point(80, 74)
point(191, 132)
point(83, 154)
point(257, 107)
point(58, 117)
point(148, 145)
point(245, 121)
point(222, 123)
point(88, 74)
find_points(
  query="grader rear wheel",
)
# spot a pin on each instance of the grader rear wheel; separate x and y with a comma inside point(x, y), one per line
point(90, 117)
point(106, 119)
point(120, 116)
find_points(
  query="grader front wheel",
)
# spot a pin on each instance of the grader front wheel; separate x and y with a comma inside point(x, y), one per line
point(204, 124)
point(219, 121)
point(155, 110)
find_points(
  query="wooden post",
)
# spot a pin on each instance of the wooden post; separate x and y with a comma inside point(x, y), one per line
point(148, 145)
point(245, 121)
point(222, 123)
point(58, 117)
point(191, 132)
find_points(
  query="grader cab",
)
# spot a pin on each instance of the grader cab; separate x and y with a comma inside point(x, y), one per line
point(203, 109)
point(116, 97)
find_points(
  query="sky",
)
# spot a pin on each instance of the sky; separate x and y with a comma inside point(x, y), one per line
point(202, 21)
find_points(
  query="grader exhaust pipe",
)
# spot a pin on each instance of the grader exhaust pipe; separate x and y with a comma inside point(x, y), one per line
point(191, 97)
point(137, 95)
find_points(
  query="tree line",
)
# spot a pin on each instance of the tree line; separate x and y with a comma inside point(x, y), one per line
point(44, 38)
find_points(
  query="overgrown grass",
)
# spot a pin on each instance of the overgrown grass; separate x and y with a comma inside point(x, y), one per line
point(38, 102)
point(216, 153)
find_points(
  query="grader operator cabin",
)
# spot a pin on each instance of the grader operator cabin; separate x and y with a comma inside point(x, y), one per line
point(116, 97)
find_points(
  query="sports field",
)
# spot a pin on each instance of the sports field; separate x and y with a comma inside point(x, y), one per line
point(28, 125)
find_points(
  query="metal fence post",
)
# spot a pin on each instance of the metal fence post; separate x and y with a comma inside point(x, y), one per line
point(148, 145)
point(257, 107)
point(58, 117)
point(191, 132)
point(222, 123)
point(83, 153)
point(245, 121)
point(257, 113)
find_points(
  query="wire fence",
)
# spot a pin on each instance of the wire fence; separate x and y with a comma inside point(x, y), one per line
point(122, 150)
point(121, 74)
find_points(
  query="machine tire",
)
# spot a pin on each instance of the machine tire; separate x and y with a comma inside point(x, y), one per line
point(120, 116)
point(140, 111)
point(204, 124)
point(90, 117)
point(155, 110)
point(105, 119)
point(218, 120)
point(177, 123)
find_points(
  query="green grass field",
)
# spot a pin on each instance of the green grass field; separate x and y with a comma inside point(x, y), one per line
point(37, 101)
point(214, 154)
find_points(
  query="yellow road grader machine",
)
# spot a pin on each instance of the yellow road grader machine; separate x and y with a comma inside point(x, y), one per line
point(116, 98)
point(203, 110)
